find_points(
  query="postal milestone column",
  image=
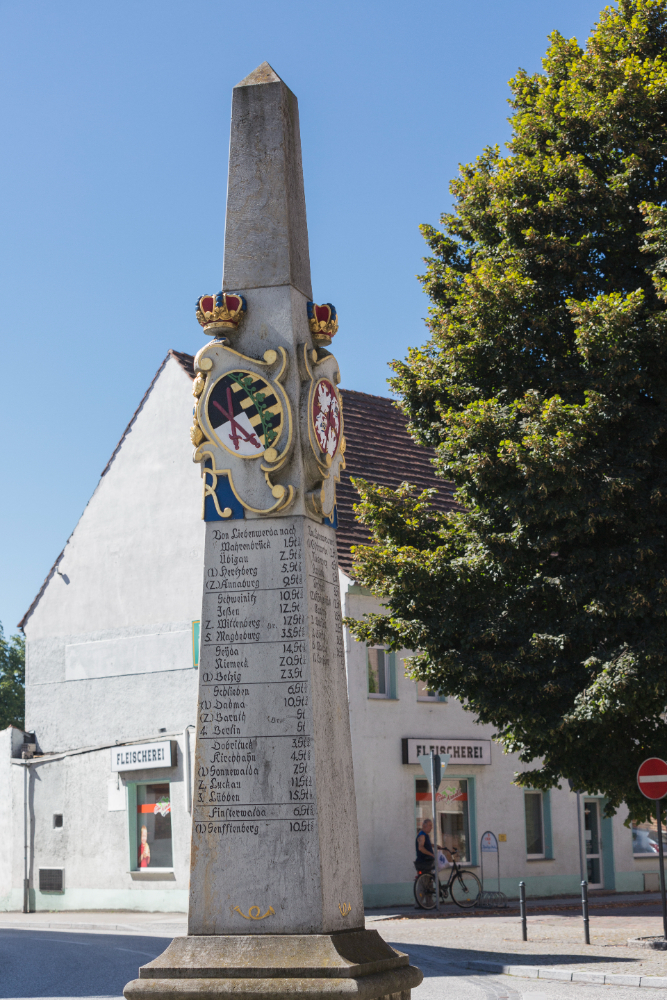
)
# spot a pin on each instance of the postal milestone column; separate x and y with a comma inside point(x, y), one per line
point(275, 893)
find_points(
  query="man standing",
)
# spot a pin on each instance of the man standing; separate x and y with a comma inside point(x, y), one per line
point(425, 857)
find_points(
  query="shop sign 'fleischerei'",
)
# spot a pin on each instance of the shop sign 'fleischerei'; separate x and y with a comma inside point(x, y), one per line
point(460, 751)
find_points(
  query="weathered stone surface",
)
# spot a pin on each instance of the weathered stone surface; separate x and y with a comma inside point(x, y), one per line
point(357, 964)
point(275, 841)
point(266, 234)
point(239, 956)
point(374, 987)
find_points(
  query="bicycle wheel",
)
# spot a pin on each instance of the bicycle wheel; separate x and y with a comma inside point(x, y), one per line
point(425, 891)
point(465, 888)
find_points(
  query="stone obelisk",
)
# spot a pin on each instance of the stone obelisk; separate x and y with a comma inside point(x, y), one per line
point(275, 894)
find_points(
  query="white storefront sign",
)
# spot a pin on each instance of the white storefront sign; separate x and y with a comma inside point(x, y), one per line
point(141, 755)
point(460, 751)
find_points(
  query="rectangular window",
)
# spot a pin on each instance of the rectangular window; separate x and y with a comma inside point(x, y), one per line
point(379, 684)
point(425, 694)
point(153, 820)
point(532, 802)
point(451, 805)
point(645, 839)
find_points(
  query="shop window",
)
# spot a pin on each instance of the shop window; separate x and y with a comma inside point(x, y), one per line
point(451, 803)
point(645, 840)
point(532, 802)
point(153, 827)
point(380, 669)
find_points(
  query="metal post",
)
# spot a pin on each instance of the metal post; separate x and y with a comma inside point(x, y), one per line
point(581, 849)
point(584, 910)
point(662, 870)
point(435, 835)
point(522, 909)
point(26, 880)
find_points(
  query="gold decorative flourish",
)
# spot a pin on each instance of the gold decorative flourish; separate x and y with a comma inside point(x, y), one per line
point(256, 914)
point(196, 433)
point(198, 385)
point(209, 491)
point(344, 908)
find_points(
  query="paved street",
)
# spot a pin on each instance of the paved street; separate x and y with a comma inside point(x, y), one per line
point(50, 963)
point(98, 953)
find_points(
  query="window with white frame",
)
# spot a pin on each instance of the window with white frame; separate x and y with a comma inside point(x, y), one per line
point(534, 812)
point(379, 680)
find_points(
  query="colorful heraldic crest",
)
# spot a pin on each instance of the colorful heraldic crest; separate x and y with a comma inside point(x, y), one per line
point(325, 460)
point(245, 414)
point(327, 417)
point(242, 413)
point(244, 430)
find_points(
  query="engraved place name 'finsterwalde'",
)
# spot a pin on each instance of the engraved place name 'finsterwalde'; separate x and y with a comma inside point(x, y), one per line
point(275, 891)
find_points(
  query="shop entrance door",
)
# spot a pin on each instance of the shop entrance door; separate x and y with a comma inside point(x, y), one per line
point(593, 843)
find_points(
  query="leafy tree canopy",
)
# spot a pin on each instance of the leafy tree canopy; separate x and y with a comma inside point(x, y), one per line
point(12, 681)
point(541, 603)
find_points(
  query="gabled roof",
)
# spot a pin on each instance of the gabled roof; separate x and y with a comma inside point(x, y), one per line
point(379, 449)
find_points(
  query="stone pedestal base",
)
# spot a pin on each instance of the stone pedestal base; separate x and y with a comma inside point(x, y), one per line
point(349, 964)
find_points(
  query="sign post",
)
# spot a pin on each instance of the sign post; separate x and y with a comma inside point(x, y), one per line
point(652, 782)
point(433, 767)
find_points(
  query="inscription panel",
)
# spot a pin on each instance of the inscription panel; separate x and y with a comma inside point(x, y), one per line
point(271, 610)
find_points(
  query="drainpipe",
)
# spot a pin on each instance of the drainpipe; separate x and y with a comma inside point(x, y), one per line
point(26, 880)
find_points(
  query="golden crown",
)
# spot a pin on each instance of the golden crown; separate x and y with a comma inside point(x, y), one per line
point(223, 311)
point(323, 323)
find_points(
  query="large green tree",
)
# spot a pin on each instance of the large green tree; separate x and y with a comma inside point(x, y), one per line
point(12, 681)
point(541, 604)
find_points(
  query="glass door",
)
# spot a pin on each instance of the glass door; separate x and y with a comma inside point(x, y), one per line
point(593, 843)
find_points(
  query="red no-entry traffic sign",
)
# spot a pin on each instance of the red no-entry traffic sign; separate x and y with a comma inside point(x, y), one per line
point(652, 778)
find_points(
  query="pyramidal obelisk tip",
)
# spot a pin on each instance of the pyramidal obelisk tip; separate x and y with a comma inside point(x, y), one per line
point(263, 74)
point(266, 234)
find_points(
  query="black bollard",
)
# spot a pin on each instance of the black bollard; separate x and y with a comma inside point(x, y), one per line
point(522, 909)
point(584, 911)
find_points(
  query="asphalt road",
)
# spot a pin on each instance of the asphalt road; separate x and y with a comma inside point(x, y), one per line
point(61, 964)
point(36, 963)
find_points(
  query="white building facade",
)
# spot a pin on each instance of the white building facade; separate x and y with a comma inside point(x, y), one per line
point(98, 814)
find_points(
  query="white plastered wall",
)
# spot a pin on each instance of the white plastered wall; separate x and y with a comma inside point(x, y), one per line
point(109, 642)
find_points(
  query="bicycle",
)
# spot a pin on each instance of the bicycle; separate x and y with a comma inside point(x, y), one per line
point(463, 886)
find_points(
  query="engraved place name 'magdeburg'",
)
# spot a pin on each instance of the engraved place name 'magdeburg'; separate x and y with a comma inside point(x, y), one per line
point(271, 601)
point(460, 751)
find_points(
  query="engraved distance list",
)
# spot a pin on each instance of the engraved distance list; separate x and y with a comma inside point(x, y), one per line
point(270, 591)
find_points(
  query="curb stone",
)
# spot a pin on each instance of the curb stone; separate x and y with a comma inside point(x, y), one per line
point(562, 975)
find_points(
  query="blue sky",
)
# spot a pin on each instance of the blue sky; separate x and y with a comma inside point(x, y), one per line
point(115, 126)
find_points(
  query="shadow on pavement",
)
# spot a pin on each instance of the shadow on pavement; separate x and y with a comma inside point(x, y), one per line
point(436, 960)
point(36, 963)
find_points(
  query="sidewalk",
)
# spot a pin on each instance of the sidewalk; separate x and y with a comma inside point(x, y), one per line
point(642, 902)
point(167, 925)
point(555, 949)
